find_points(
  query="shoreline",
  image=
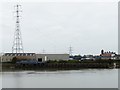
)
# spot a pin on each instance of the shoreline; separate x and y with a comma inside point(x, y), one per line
point(62, 66)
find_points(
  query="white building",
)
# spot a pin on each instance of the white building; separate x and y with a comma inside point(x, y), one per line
point(47, 57)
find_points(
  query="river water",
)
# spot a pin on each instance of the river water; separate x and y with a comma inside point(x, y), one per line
point(85, 78)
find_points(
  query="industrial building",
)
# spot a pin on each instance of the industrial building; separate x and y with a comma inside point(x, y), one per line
point(8, 57)
point(47, 57)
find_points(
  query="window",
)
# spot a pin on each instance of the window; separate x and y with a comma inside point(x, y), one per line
point(24, 54)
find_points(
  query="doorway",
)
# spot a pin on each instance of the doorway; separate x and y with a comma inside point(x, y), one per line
point(40, 59)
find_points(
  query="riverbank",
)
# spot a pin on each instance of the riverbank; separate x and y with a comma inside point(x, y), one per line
point(63, 65)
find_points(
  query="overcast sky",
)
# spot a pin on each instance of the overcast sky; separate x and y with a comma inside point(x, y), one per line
point(55, 26)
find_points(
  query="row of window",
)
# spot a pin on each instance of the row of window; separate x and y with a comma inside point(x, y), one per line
point(19, 54)
point(11, 59)
point(6, 59)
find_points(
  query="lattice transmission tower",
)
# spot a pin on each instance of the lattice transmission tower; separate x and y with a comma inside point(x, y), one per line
point(17, 43)
point(70, 51)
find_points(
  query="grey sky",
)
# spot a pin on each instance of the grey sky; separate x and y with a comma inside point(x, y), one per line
point(87, 26)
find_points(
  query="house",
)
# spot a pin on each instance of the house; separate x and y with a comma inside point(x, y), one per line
point(107, 55)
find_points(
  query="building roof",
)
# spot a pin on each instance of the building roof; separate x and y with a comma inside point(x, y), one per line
point(19, 54)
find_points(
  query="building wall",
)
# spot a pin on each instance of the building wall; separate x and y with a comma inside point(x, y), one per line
point(117, 57)
point(106, 57)
point(46, 57)
point(7, 57)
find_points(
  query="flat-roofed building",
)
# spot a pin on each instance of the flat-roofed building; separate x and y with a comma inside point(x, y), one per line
point(47, 57)
point(7, 57)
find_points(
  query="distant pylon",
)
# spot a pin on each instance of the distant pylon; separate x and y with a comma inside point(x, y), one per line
point(43, 50)
point(17, 43)
point(70, 51)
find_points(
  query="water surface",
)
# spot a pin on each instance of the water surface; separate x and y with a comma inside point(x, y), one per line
point(85, 78)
